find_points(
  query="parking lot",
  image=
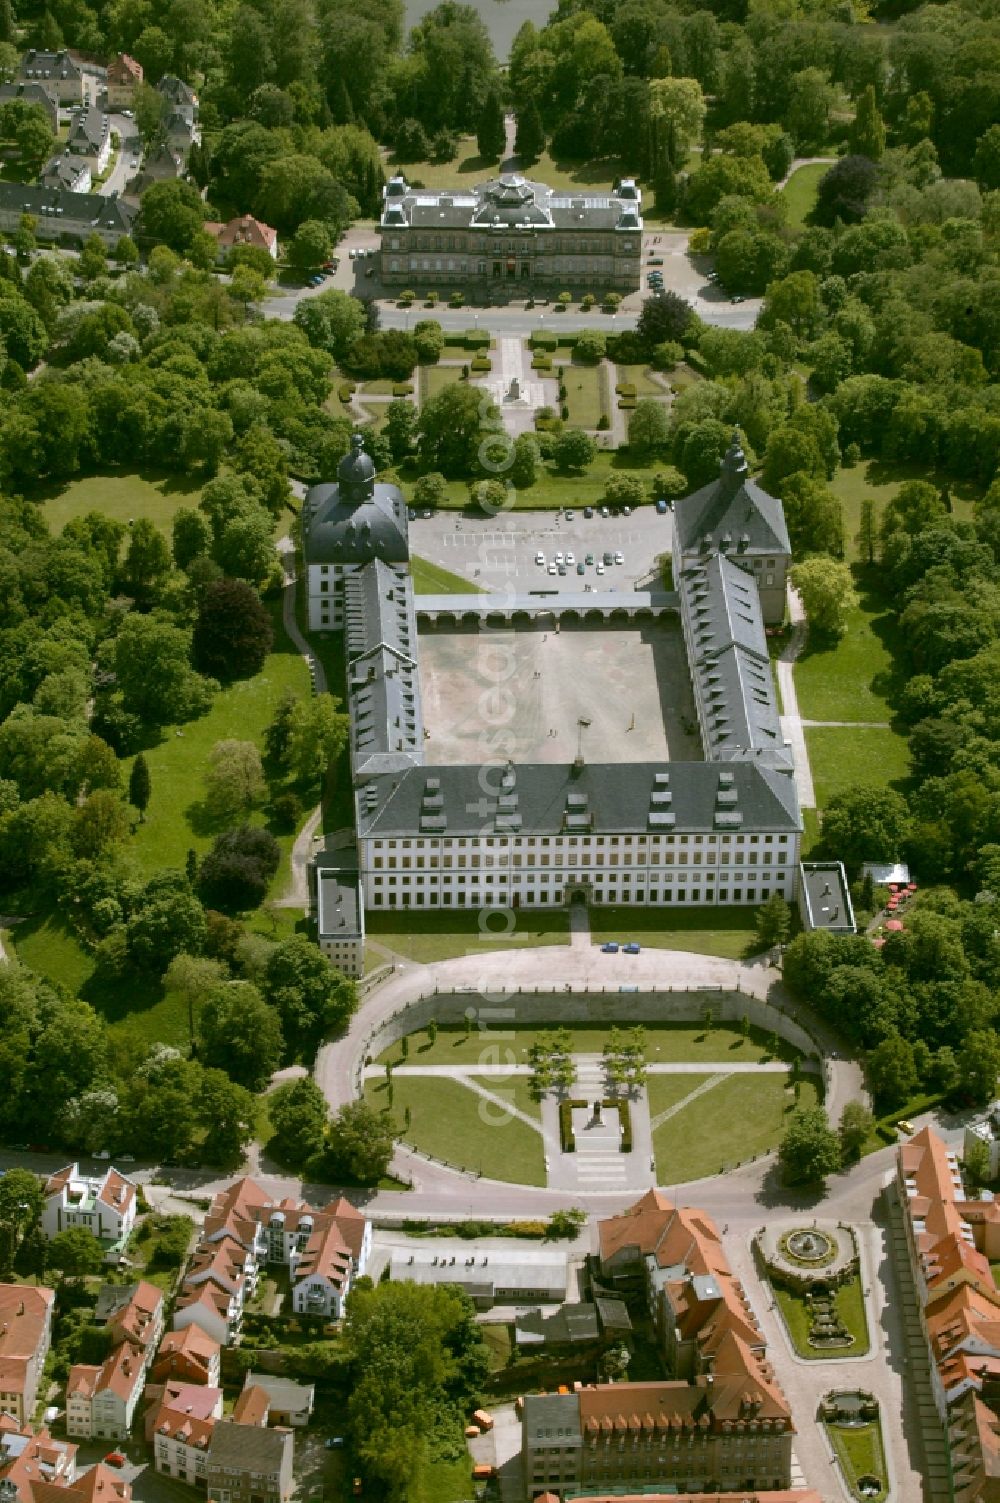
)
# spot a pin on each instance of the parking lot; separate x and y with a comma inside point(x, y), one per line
point(500, 554)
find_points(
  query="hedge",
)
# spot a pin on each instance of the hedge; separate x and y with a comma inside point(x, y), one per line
point(697, 362)
point(402, 389)
point(625, 389)
point(625, 1118)
point(566, 1137)
point(475, 338)
point(626, 403)
point(482, 363)
point(544, 339)
point(346, 390)
point(541, 362)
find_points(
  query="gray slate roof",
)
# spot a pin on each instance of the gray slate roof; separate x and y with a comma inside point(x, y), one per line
point(356, 520)
point(568, 1323)
point(31, 93)
point(35, 64)
point(548, 1416)
point(62, 172)
point(284, 1393)
point(730, 667)
point(510, 202)
point(383, 699)
point(177, 91)
point(555, 799)
point(247, 1448)
point(378, 610)
point(338, 907)
point(88, 130)
point(76, 213)
point(733, 514)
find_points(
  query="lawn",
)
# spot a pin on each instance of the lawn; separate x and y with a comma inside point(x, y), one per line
point(437, 936)
point(841, 758)
point(583, 395)
point(799, 192)
point(729, 932)
point(666, 1043)
point(877, 482)
point(515, 1090)
point(859, 1449)
point(454, 1124)
point(553, 489)
point(176, 819)
point(664, 1091)
point(735, 1121)
point(850, 1306)
point(641, 379)
point(431, 579)
point(444, 1481)
point(469, 168)
point(849, 680)
point(499, 1342)
point(434, 378)
point(126, 497)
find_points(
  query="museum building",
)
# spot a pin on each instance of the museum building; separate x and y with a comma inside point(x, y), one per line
point(537, 835)
point(513, 236)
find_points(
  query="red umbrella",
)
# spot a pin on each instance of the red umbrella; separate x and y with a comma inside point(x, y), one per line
point(894, 925)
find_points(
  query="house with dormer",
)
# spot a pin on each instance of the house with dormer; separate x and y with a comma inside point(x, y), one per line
point(104, 1204)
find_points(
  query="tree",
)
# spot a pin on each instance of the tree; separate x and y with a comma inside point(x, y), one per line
point(774, 922)
point(317, 734)
point(525, 460)
point(430, 490)
point(428, 338)
point(311, 245)
point(191, 536)
point(845, 191)
point(986, 161)
point(400, 427)
point(491, 132)
point(451, 428)
point(976, 1168)
point(147, 561)
point(565, 1224)
point(154, 674)
point(574, 450)
point(245, 549)
point(624, 490)
point(237, 871)
point(979, 1065)
point(167, 919)
point(312, 998)
point(193, 977)
point(299, 1115)
point(240, 1033)
point(332, 321)
point(234, 780)
point(93, 260)
point(228, 1111)
point(75, 1252)
point(810, 1149)
point(827, 592)
point(21, 1204)
point(856, 1126)
point(676, 115)
point(865, 822)
point(667, 317)
point(98, 823)
point(649, 429)
point(140, 786)
point(813, 514)
point(810, 101)
point(892, 1072)
point(868, 130)
point(529, 140)
point(361, 1142)
point(868, 531)
point(34, 140)
point(173, 213)
point(232, 635)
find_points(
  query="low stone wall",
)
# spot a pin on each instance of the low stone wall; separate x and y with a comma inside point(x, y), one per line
point(495, 1017)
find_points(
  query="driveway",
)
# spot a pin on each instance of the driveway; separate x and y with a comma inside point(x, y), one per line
point(129, 151)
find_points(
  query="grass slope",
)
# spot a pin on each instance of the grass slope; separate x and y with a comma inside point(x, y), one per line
point(437, 936)
point(729, 932)
point(469, 168)
point(666, 1043)
point(431, 579)
point(841, 758)
point(664, 1091)
point(736, 1120)
point(850, 1306)
point(850, 679)
point(454, 1124)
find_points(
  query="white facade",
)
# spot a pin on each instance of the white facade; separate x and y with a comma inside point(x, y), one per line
point(544, 871)
point(105, 1205)
point(326, 595)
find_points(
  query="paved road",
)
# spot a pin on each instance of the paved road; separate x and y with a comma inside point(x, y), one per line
point(791, 720)
point(130, 150)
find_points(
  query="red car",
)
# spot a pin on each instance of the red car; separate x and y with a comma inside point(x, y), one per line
point(115, 1458)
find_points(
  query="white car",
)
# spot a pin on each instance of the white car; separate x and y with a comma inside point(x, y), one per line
point(552, 568)
point(539, 558)
point(619, 558)
point(571, 558)
point(605, 512)
point(558, 559)
point(599, 569)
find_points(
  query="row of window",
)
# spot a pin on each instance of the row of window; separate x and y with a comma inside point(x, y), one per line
point(584, 842)
point(505, 860)
point(549, 245)
point(547, 898)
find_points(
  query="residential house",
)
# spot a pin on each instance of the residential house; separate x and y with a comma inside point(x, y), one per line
point(243, 230)
point(124, 77)
point(321, 1273)
point(66, 172)
point(188, 1356)
point(25, 1337)
point(951, 1243)
point(32, 93)
point(104, 1204)
point(64, 216)
point(29, 1460)
point(101, 1400)
point(289, 1403)
point(179, 1424)
point(253, 1407)
point(90, 138)
point(58, 73)
point(735, 516)
point(101, 1484)
point(247, 1464)
point(180, 113)
point(221, 1277)
point(985, 1131)
point(179, 95)
point(161, 164)
point(721, 1431)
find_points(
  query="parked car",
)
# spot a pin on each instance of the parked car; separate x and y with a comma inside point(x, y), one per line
point(619, 558)
point(609, 558)
point(626, 511)
point(334, 1442)
point(115, 1458)
point(571, 557)
point(552, 568)
point(558, 558)
point(539, 558)
point(588, 511)
point(599, 569)
point(425, 513)
point(656, 260)
point(562, 570)
point(611, 948)
point(605, 512)
point(570, 514)
point(581, 568)
point(631, 948)
point(589, 559)
point(661, 506)
point(737, 299)
point(411, 513)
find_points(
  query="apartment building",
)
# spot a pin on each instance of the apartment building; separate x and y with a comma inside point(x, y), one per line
point(188, 1356)
point(59, 74)
point(90, 138)
point(32, 1462)
point(104, 1204)
point(101, 1400)
point(952, 1242)
point(25, 1338)
point(178, 1424)
point(511, 235)
point(124, 77)
point(249, 1464)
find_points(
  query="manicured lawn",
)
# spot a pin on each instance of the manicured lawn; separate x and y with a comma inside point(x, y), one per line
point(437, 936)
point(799, 192)
point(847, 681)
point(515, 1090)
point(123, 496)
point(583, 395)
point(728, 932)
point(850, 1306)
point(431, 579)
point(434, 378)
point(444, 1481)
point(176, 819)
point(640, 378)
point(552, 489)
point(455, 1125)
point(666, 1043)
point(736, 1120)
point(469, 168)
point(664, 1091)
point(840, 758)
point(859, 1448)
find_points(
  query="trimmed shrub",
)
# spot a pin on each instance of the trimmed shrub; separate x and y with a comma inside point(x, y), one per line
point(346, 390)
point(566, 1137)
point(402, 389)
point(476, 338)
point(603, 422)
point(627, 403)
point(482, 363)
point(543, 339)
point(625, 389)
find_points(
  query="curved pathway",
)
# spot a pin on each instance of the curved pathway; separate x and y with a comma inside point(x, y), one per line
point(297, 895)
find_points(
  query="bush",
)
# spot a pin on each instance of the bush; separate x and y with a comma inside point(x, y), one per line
point(612, 302)
point(587, 301)
point(346, 390)
point(286, 811)
point(603, 422)
point(563, 301)
point(625, 1118)
point(591, 347)
point(482, 363)
point(566, 1137)
point(565, 413)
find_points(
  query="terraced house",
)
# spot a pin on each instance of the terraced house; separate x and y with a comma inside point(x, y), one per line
point(511, 235)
